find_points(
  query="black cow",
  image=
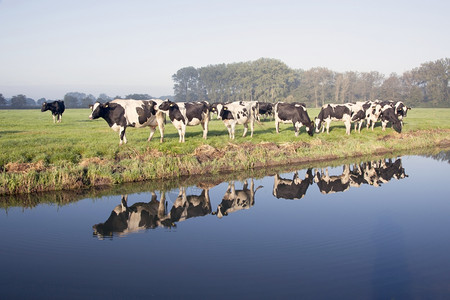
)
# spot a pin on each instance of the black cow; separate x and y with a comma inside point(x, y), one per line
point(292, 189)
point(120, 114)
point(294, 113)
point(56, 107)
point(388, 115)
point(184, 114)
point(334, 112)
point(265, 109)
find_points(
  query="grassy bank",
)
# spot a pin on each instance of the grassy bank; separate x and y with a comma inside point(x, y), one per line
point(37, 155)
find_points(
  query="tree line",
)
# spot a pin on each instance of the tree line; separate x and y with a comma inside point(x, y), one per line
point(71, 100)
point(271, 80)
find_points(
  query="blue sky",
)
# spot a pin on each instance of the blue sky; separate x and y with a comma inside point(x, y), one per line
point(51, 47)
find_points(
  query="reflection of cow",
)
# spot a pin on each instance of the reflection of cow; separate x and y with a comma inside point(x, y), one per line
point(125, 219)
point(235, 200)
point(331, 184)
point(186, 207)
point(292, 189)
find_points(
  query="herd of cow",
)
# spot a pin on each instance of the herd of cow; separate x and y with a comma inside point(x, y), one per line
point(120, 114)
point(126, 219)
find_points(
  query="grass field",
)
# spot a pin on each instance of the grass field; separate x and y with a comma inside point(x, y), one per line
point(39, 155)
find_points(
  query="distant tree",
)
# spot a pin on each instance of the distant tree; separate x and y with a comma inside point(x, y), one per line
point(30, 102)
point(3, 101)
point(19, 101)
point(40, 101)
point(74, 99)
point(104, 98)
point(138, 96)
point(86, 101)
point(186, 84)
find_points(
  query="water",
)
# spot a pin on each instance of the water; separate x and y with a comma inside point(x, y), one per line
point(372, 230)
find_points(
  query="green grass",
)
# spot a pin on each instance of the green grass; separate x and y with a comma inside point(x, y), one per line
point(79, 152)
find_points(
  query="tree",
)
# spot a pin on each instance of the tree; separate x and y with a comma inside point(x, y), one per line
point(138, 96)
point(40, 101)
point(3, 101)
point(186, 84)
point(19, 101)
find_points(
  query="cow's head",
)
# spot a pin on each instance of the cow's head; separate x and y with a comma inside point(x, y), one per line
point(166, 105)
point(98, 110)
point(44, 106)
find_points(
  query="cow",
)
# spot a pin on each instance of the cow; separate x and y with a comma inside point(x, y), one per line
point(292, 189)
point(401, 110)
point(190, 206)
point(265, 108)
point(388, 115)
point(184, 114)
point(126, 219)
point(56, 107)
point(331, 184)
point(120, 114)
point(294, 113)
point(334, 112)
point(235, 200)
point(238, 112)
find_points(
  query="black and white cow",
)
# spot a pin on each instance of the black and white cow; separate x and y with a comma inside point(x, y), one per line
point(190, 206)
point(292, 189)
point(120, 114)
point(235, 200)
point(56, 107)
point(126, 219)
point(184, 114)
point(238, 112)
point(294, 113)
point(334, 112)
point(331, 184)
point(265, 109)
point(388, 115)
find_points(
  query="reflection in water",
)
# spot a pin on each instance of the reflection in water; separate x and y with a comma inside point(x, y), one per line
point(292, 189)
point(125, 219)
point(235, 200)
point(373, 173)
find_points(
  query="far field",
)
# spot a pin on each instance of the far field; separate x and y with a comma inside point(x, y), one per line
point(39, 155)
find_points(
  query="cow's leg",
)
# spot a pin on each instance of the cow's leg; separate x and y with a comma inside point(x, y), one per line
point(180, 134)
point(54, 118)
point(233, 130)
point(123, 138)
point(328, 126)
point(245, 129)
point(383, 125)
point(183, 132)
point(252, 127)
point(161, 119)
point(296, 128)
point(348, 127)
point(277, 126)
point(205, 129)
point(152, 132)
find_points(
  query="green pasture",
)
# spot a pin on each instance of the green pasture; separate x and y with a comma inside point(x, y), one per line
point(31, 136)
